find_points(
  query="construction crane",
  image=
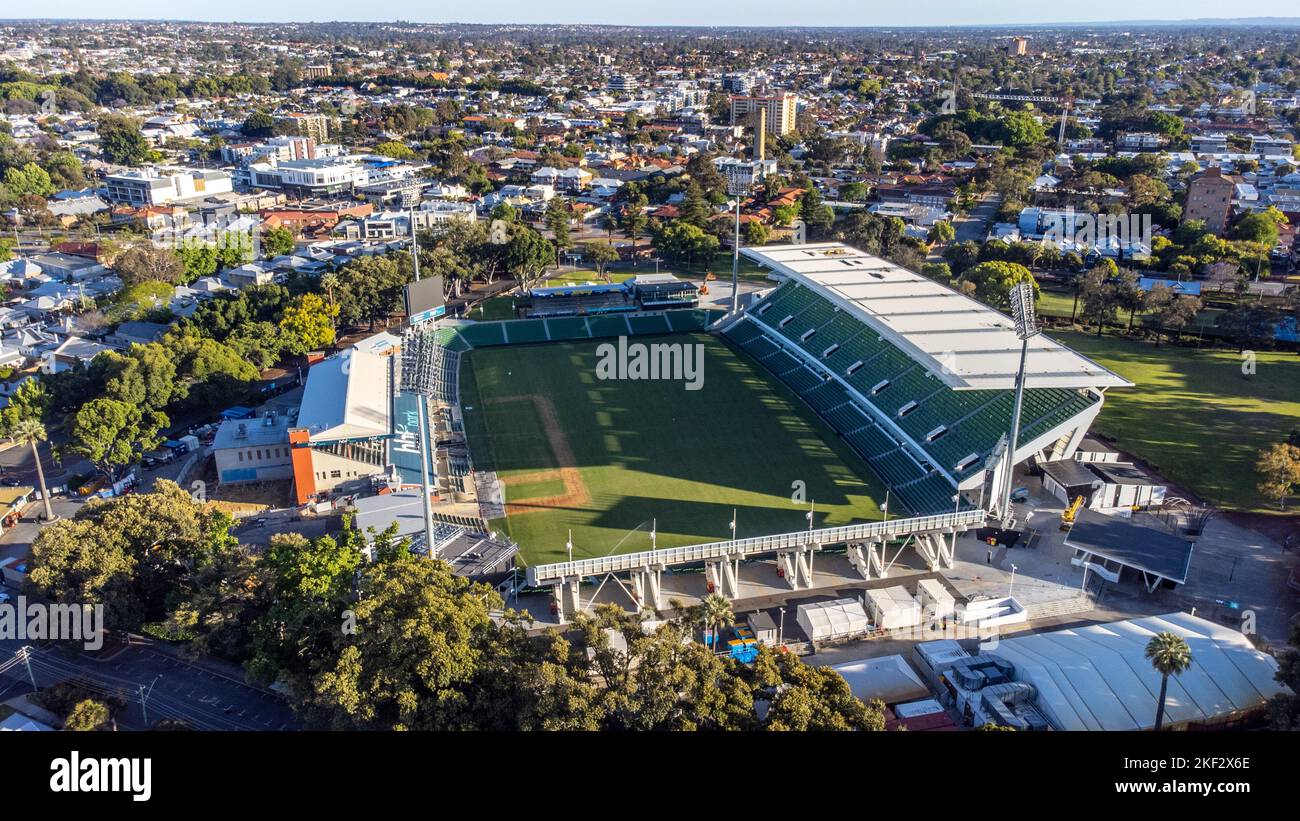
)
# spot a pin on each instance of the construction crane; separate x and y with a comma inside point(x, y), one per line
point(1066, 104)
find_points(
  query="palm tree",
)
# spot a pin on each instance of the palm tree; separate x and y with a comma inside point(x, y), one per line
point(717, 615)
point(1170, 655)
point(30, 431)
point(329, 281)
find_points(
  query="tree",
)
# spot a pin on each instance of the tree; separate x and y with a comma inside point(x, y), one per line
point(557, 219)
point(812, 699)
point(993, 281)
point(941, 233)
point(527, 254)
point(755, 233)
point(1278, 467)
point(1170, 656)
point(1100, 298)
point(633, 220)
point(1171, 310)
point(88, 714)
point(684, 242)
point(306, 585)
point(1284, 708)
point(147, 263)
point(134, 554)
point(113, 434)
point(600, 255)
point(278, 241)
point(421, 632)
point(30, 180)
point(261, 343)
point(396, 150)
point(1249, 326)
point(370, 288)
point(1129, 295)
point(717, 615)
point(30, 431)
point(145, 377)
point(1260, 226)
point(258, 124)
point(308, 324)
point(121, 141)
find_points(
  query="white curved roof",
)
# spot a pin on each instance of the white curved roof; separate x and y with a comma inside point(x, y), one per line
point(1098, 678)
point(347, 397)
point(960, 340)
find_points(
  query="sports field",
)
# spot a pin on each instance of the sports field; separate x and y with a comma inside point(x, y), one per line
point(605, 457)
point(1194, 414)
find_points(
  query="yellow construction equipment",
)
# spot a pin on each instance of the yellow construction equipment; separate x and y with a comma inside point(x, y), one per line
point(708, 276)
point(1067, 515)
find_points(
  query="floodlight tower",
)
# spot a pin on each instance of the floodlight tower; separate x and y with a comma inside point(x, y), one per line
point(422, 411)
point(1022, 312)
point(736, 187)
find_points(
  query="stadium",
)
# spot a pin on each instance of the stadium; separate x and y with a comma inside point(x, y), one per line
point(851, 386)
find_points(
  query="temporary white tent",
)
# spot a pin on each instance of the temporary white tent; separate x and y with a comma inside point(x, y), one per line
point(841, 618)
point(892, 608)
point(888, 678)
point(936, 602)
point(1097, 677)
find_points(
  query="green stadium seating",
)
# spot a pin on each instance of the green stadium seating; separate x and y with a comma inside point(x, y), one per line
point(483, 334)
point(801, 380)
point(896, 467)
point(607, 326)
point(574, 327)
point(524, 331)
point(646, 324)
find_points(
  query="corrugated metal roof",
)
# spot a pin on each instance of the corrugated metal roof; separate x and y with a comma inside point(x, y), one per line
point(961, 341)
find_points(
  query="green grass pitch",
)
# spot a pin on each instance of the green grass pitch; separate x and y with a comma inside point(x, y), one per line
point(1194, 415)
point(642, 450)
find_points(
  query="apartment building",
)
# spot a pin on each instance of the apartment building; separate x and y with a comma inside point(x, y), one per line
point(781, 108)
point(1209, 198)
point(152, 186)
point(315, 126)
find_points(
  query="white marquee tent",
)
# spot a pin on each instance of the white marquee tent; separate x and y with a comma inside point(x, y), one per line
point(893, 607)
point(827, 620)
point(1098, 678)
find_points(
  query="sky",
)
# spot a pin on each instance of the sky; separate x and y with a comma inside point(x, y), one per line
point(663, 12)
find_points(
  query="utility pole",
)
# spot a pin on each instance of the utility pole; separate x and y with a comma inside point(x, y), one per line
point(144, 698)
point(26, 654)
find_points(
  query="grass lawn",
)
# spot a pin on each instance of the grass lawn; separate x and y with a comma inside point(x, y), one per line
point(606, 457)
point(1193, 414)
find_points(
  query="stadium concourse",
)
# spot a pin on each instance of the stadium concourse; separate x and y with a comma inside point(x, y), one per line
point(918, 379)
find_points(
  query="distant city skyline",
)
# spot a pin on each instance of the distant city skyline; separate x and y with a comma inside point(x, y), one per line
point(669, 12)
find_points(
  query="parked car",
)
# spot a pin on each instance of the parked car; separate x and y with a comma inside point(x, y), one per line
point(10, 481)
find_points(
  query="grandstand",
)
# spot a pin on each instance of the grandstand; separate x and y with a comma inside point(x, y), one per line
point(461, 337)
point(575, 300)
point(657, 291)
point(917, 379)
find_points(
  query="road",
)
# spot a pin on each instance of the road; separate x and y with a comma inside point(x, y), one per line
point(211, 696)
point(975, 225)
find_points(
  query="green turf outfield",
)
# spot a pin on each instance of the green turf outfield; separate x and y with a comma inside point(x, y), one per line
point(644, 449)
point(1194, 414)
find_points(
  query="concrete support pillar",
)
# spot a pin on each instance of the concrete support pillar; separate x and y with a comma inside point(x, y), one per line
point(797, 566)
point(934, 550)
point(866, 559)
point(567, 600)
point(724, 575)
point(646, 583)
